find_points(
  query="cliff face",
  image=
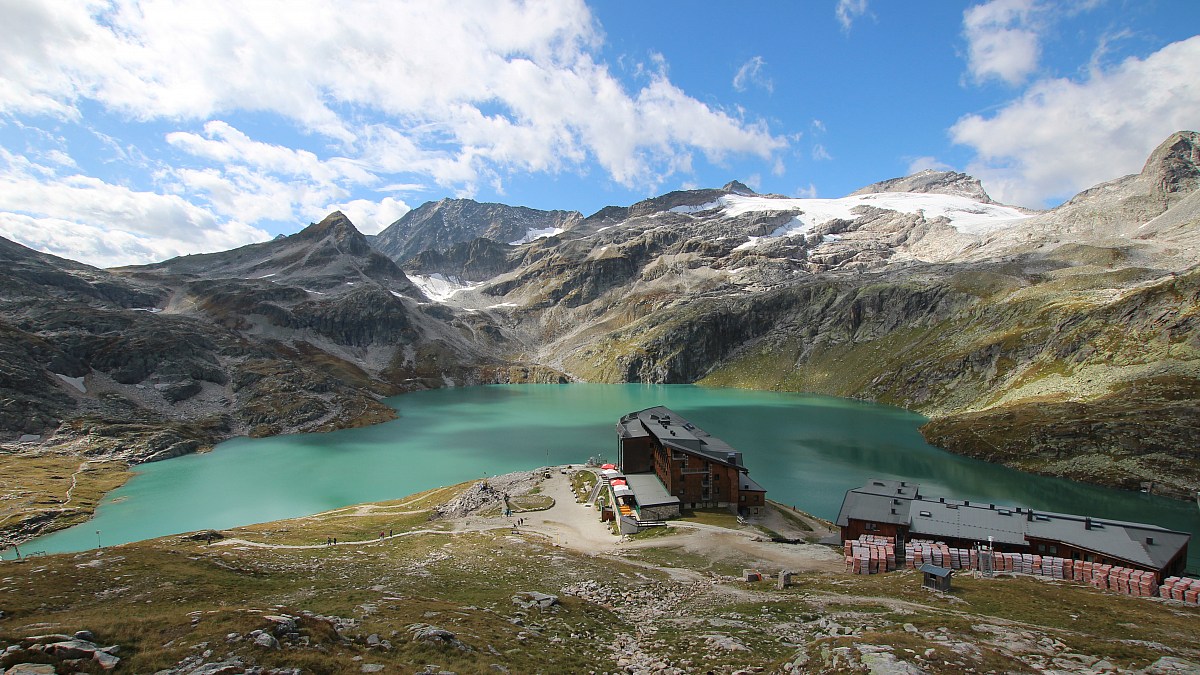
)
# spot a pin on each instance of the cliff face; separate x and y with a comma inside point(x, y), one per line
point(438, 226)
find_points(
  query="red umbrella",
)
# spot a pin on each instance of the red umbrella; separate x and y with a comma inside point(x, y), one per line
point(608, 466)
point(618, 481)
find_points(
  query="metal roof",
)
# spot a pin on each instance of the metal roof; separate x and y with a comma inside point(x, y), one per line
point(746, 483)
point(901, 502)
point(649, 490)
point(879, 502)
point(930, 568)
point(676, 432)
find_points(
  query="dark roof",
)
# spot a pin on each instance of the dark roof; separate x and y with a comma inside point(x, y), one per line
point(675, 432)
point(748, 484)
point(930, 568)
point(630, 427)
point(876, 502)
point(649, 490)
point(900, 502)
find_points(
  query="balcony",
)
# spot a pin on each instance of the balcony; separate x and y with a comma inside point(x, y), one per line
point(691, 472)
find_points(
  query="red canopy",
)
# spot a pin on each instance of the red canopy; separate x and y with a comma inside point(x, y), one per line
point(618, 481)
point(608, 466)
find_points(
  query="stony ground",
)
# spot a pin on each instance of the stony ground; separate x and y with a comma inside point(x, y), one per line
point(449, 588)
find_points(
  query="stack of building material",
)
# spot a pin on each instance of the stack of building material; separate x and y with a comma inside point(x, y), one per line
point(1183, 589)
point(870, 554)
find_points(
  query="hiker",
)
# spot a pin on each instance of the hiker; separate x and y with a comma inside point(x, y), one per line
point(390, 533)
point(381, 534)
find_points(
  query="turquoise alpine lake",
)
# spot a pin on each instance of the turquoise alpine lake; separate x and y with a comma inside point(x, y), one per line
point(806, 450)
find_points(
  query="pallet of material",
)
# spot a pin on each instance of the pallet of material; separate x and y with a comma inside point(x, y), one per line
point(1183, 589)
point(870, 554)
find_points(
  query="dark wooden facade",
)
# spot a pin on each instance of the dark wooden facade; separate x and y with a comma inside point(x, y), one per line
point(897, 509)
point(697, 478)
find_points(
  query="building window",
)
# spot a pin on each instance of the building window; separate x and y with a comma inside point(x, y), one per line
point(1041, 548)
point(743, 497)
point(1053, 550)
point(872, 527)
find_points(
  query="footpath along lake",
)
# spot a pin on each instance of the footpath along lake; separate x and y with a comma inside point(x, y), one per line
point(806, 450)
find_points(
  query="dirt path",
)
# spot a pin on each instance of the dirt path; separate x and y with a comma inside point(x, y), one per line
point(723, 544)
point(577, 526)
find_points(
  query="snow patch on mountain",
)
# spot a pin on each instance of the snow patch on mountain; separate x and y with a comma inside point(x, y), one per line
point(533, 234)
point(76, 382)
point(965, 215)
point(438, 287)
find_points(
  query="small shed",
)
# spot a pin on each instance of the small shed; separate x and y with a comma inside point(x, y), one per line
point(937, 578)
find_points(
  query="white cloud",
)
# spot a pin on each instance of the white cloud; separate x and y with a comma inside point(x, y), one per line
point(471, 91)
point(372, 217)
point(809, 192)
point(104, 246)
point(847, 11)
point(86, 219)
point(1003, 40)
point(819, 153)
point(1062, 136)
point(751, 72)
point(919, 164)
point(224, 144)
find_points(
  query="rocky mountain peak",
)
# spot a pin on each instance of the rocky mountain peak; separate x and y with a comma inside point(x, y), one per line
point(931, 181)
point(438, 226)
point(1174, 166)
point(739, 188)
point(338, 228)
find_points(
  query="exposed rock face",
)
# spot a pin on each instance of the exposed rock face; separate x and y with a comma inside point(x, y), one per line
point(932, 181)
point(477, 260)
point(437, 226)
point(302, 333)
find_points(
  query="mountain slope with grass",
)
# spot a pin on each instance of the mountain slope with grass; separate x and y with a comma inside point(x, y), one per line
point(472, 594)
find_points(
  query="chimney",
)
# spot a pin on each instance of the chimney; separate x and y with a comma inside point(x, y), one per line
point(1029, 515)
point(1149, 540)
point(992, 507)
point(942, 500)
point(966, 502)
point(1087, 523)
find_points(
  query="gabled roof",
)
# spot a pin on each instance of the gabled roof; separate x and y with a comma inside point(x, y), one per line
point(901, 503)
point(930, 568)
point(748, 484)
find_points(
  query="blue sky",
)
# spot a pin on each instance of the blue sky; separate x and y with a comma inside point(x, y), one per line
point(135, 131)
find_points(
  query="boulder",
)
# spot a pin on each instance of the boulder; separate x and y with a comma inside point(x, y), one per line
point(30, 669)
point(105, 660)
point(532, 599)
point(282, 625)
point(423, 632)
point(73, 649)
point(266, 641)
point(233, 666)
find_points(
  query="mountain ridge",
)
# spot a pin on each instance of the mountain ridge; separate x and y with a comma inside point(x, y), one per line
point(970, 312)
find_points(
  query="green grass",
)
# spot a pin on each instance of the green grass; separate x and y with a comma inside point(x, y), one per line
point(35, 485)
point(582, 482)
point(144, 596)
point(716, 516)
